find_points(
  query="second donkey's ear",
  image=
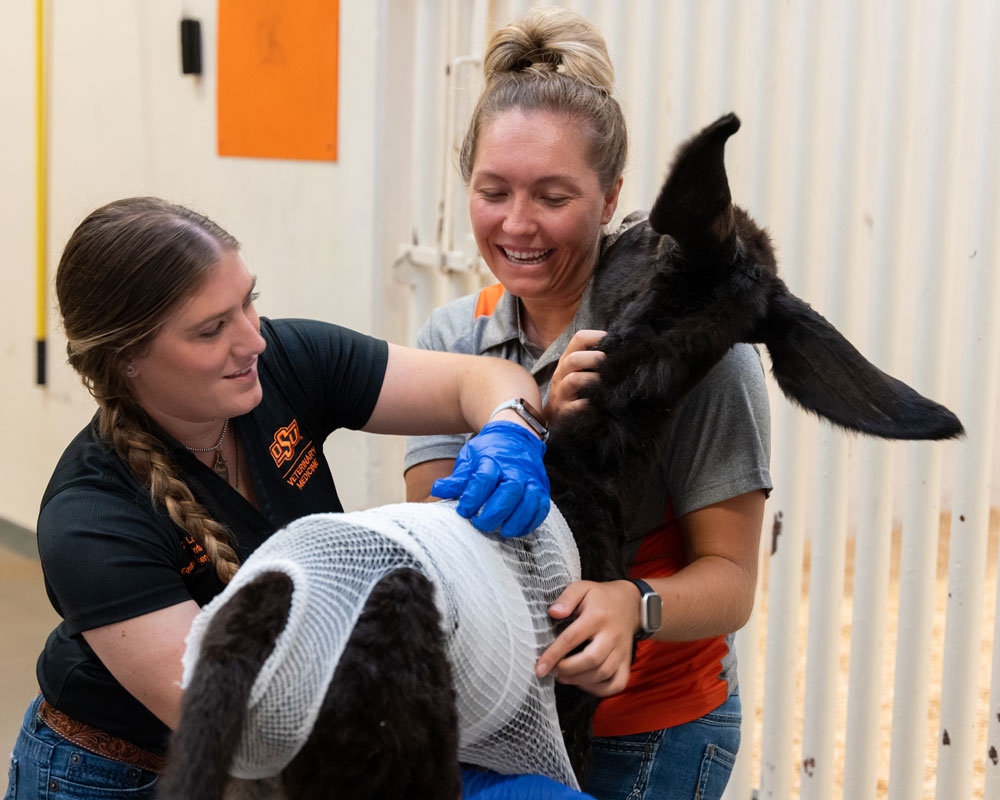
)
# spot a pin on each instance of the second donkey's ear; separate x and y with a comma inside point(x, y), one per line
point(816, 367)
point(695, 206)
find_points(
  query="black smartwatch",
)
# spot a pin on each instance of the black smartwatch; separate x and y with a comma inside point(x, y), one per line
point(650, 609)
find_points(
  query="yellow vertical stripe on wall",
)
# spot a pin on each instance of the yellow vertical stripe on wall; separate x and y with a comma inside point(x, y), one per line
point(41, 188)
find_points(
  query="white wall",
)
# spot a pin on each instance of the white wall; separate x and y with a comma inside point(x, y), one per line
point(125, 121)
point(323, 237)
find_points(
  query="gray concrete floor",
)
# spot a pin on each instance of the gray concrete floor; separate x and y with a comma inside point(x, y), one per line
point(26, 619)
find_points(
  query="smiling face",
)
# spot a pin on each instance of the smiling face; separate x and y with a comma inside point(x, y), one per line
point(201, 367)
point(537, 205)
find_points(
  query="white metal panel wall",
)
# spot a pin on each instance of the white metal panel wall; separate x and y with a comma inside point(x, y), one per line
point(876, 459)
point(868, 151)
point(978, 381)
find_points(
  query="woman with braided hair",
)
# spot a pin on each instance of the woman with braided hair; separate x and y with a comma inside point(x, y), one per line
point(543, 159)
point(208, 438)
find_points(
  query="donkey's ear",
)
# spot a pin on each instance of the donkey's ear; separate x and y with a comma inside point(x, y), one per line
point(236, 644)
point(816, 367)
point(695, 206)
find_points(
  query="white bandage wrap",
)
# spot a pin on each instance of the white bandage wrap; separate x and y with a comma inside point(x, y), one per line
point(492, 594)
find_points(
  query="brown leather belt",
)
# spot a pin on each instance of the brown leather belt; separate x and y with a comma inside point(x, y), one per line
point(97, 741)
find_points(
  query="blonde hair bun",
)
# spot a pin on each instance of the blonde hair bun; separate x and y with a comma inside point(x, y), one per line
point(548, 40)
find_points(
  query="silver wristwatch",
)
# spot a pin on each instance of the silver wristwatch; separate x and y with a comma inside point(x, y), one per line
point(528, 413)
point(650, 609)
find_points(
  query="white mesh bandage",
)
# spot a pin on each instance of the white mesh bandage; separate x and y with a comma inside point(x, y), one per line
point(492, 594)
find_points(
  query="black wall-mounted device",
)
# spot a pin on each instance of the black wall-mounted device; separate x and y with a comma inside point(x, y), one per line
point(190, 47)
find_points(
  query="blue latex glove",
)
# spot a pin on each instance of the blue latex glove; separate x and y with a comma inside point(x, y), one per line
point(499, 480)
point(486, 785)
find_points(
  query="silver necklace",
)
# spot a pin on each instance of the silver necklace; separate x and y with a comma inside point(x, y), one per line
point(220, 466)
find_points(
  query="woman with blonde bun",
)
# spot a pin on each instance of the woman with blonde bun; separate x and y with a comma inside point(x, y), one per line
point(543, 160)
point(208, 438)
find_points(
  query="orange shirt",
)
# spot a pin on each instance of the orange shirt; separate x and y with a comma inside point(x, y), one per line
point(671, 682)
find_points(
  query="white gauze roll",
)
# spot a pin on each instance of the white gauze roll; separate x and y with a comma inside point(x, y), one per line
point(492, 594)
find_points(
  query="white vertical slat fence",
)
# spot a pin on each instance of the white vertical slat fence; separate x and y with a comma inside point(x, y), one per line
point(921, 517)
point(794, 436)
point(875, 507)
point(868, 150)
point(980, 364)
point(828, 551)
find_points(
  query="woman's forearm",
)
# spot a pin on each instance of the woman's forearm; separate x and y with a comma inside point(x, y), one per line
point(710, 597)
point(713, 595)
point(487, 383)
point(430, 392)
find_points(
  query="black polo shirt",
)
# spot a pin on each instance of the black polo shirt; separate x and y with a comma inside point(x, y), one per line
point(109, 554)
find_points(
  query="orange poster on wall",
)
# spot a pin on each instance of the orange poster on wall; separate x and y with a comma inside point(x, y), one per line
point(277, 79)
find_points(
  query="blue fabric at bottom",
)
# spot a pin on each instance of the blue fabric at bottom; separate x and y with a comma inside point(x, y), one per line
point(485, 785)
point(44, 766)
point(688, 762)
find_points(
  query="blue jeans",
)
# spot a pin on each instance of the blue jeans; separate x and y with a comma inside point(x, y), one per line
point(44, 766)
point(688, 762)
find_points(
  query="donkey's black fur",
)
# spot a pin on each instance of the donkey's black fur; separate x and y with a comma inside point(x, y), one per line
point(675, 294)
point(387, 726)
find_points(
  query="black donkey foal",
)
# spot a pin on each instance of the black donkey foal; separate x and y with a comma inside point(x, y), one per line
point(674, 294)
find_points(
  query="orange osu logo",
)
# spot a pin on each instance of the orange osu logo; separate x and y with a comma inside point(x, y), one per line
point(285, 439)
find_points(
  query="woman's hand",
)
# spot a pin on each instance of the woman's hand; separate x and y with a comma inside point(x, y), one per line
point(576, 368)
point(607, 618)
point(499, 480)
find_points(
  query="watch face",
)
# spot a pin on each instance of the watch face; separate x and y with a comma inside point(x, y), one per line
point(532, 416)
point(533, 411)
point(652, 612)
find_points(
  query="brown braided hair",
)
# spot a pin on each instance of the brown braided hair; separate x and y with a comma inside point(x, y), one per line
point(552, 59)
point(124, 270)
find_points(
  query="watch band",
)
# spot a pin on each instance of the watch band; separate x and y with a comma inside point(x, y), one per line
point(528, 413)
point(650, 609)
